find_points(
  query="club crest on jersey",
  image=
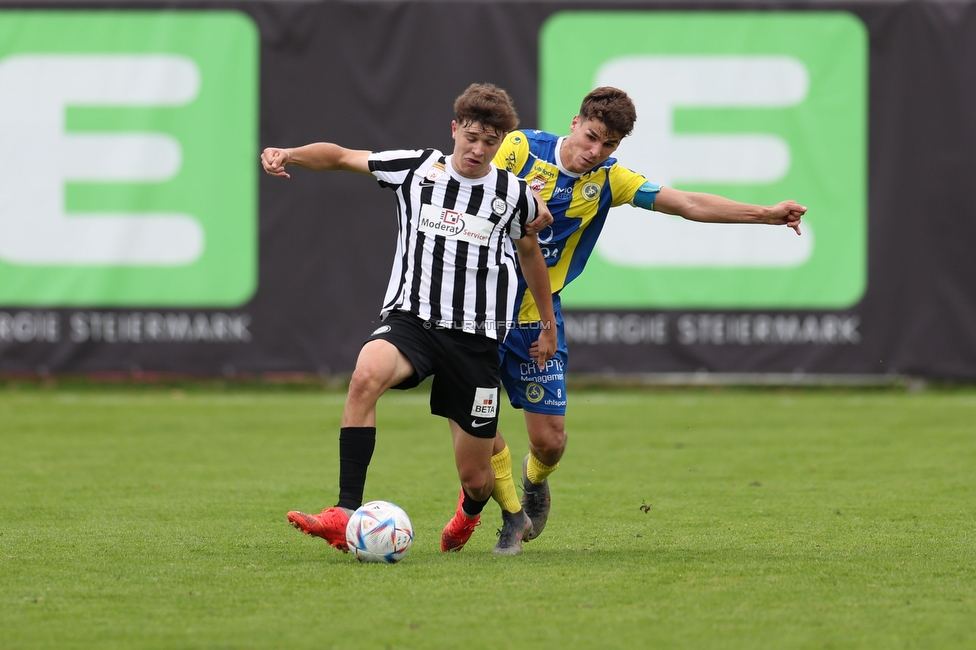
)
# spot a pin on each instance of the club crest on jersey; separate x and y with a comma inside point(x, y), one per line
point(538, 183)
point(485, 402)
point(498, 206)
point(590, 191)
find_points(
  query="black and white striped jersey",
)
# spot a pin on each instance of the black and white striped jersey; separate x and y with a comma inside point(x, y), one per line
point(455, 262)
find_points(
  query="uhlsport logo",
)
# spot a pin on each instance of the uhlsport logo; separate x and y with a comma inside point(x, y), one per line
point(758, 107)
point(134, 176)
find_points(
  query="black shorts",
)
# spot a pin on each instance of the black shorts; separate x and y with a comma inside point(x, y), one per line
point(465, 369)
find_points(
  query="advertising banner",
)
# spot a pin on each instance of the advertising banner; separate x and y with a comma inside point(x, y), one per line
point(138, 233)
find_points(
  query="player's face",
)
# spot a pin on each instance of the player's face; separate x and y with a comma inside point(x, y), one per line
point(588, 144)
point(474, 146)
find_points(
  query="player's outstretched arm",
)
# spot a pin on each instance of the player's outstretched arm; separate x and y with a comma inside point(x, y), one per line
point(537, 278)
point(319, 156)
point(711, 208)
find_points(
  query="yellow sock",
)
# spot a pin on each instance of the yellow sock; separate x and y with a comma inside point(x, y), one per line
point(504, 491)
point(536, 471)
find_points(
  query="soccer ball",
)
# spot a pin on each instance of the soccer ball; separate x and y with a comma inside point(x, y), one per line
point(379, 531)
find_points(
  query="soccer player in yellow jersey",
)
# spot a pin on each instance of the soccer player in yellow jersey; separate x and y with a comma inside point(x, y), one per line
point(580, 182)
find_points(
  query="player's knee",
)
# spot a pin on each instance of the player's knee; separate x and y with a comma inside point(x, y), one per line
point(548, 442)
point(364, 385)
point(550, 455)
point(477, 483)
point(554, 439)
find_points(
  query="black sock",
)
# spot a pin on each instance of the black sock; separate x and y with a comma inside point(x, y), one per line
point(356, 446)
point(472, 507)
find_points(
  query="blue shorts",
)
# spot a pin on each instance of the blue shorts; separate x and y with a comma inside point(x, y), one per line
point(529, 387)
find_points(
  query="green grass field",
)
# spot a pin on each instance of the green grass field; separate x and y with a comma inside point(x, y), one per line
point(155, 518)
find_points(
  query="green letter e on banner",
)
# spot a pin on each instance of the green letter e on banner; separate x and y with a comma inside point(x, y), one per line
point(755, 106)
point(134, 176)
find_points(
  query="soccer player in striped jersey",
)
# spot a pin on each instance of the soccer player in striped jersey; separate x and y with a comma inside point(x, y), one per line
point(449, 302)
point(580, 182)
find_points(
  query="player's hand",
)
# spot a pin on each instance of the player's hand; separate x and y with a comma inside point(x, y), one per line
point(274, 160)
point(789, 213)
point(544, 347)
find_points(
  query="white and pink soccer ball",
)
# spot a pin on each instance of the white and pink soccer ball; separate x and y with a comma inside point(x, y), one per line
point(379, 531)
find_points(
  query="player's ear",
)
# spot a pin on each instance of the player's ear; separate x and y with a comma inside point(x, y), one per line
point(454, 128)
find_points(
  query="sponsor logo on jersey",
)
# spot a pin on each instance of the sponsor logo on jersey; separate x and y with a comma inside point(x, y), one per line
point(436, 171)
point(455, 225)
point(440, 221)
point(485, 403)
point(510, 161)
point(566, 192)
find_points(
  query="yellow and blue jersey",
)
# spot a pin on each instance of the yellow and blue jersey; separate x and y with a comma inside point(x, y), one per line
point(579, 204)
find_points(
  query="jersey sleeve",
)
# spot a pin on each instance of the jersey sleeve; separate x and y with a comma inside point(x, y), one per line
point(513, 153)
point(391, 168)
point(526, 210)
point(624, 184)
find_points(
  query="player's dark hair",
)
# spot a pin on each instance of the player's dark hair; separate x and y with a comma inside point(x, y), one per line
point(611, 106)
point(487, 105)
